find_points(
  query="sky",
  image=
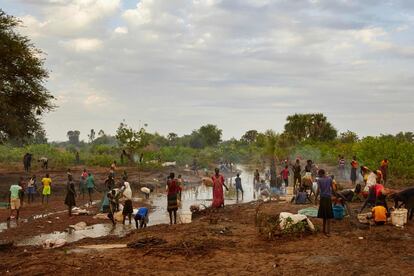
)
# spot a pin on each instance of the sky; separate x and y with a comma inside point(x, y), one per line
point(240, 64)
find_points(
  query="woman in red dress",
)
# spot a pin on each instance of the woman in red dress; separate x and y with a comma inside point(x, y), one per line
point(218, 194)
point(172, 197)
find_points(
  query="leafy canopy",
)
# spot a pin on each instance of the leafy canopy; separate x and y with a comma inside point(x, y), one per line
point(22, 93)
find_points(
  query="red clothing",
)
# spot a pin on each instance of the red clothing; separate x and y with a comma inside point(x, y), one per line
point(378, 189)
point(285, 173)
point(218, 194)
point(354, 164)
point(173, 187)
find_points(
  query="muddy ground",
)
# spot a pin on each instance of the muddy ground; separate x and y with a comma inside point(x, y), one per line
point(226, 242)
point(37, 218)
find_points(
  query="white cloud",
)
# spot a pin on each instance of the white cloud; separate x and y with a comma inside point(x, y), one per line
point(121, 30)
point(202, 60)
point(83, 44)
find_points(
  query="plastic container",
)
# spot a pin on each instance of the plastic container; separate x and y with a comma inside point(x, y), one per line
point(338, 212)
point(185, 217)
point(399, 217)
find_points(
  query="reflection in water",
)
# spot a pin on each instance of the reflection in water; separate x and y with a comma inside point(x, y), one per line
point(94, 231)
point(203, 195)
point(200, 195)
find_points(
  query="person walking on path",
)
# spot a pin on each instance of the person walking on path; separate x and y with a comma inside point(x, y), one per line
point(218, 194)
point(14, 200)
point(239, 187)
point(90, 185)
point(70, 194)
point(172, 197)
point(47, 191)
point(325, 210)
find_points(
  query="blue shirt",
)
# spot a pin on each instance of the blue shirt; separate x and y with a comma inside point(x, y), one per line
point(325, 186)
point(142, 213)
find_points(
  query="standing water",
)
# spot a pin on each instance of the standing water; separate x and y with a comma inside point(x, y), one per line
point(202, 195)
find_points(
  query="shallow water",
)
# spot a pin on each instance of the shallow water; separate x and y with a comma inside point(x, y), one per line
point(202, 195)
point(199, 195)
point(93, 231)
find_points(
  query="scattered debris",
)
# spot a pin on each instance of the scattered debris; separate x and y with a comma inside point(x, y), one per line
point(141, 243)
point(53, 243)
point(79, 226)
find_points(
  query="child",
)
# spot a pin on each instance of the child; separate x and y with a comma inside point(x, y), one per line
point(379, 214)
point(70, 194)
point(90, 184)
point(285, 175)
point(46, 181)
point(14, 199)
point(31, 189)
point(238, 186)
point(142, 217)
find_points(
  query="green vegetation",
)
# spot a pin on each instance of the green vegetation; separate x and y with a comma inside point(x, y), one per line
point(23, 96)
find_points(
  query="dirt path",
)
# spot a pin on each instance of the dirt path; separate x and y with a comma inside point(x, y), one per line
point(228, 243)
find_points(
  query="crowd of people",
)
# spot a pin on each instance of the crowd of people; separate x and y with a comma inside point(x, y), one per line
point(370, 191)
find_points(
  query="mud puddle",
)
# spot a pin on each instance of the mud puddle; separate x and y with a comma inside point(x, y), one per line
point(93, 231)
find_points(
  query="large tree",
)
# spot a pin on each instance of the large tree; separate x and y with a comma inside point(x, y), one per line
point(314, 126)
point(250, 137)
point(23, 95)
point(131, 141)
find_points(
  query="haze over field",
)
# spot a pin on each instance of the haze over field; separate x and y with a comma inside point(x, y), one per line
point(242, 65)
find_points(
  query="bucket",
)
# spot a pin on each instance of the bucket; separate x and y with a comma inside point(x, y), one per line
point(185, 217)
point(338, 212)
point(399, 217)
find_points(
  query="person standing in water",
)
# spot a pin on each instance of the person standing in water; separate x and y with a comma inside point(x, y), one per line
point(172, 197)
point(354, 167)
point(127, 196)
point(239, 186)
point(70, 194)
point(218, 194)
point(47, 190)
point(325, 211)
point(256, 179)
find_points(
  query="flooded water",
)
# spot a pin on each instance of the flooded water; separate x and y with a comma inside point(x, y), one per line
point(196, 195)
point(94, 231)
point(202, 195)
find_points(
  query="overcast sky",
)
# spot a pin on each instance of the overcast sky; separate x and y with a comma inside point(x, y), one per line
point(240, 64)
